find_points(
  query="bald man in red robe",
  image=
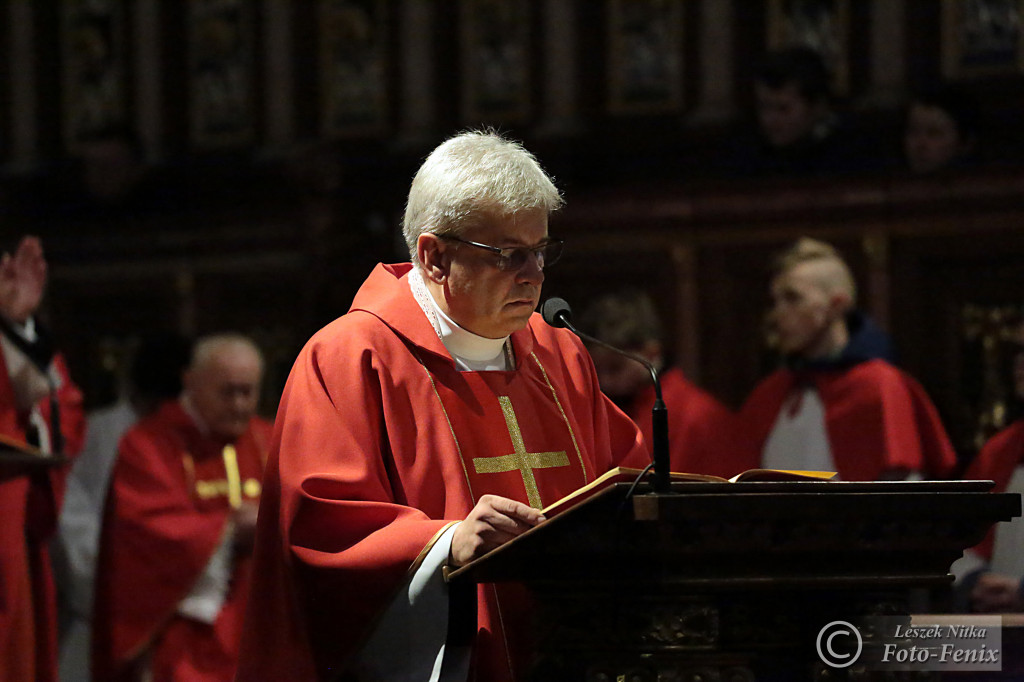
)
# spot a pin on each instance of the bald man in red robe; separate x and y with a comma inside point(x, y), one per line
point(427, 426)
point(175, 549)
point(838, 404)
point(30, 494)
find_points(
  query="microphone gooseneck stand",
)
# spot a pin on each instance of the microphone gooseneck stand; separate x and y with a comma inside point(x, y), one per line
point(557, 313)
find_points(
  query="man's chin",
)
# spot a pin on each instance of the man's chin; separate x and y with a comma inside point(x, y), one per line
point(511, 324)
point(232, 432)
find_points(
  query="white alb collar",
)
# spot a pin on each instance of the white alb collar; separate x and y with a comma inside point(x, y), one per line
point(477, 352)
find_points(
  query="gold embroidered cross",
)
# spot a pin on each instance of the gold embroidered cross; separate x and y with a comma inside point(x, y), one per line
point(525, 461)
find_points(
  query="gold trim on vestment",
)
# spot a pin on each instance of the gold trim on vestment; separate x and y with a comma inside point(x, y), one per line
point(190, 470)
point(221, 487)
point(230, 456)
point(565, 418)
point(252, 488)
point(504, 632)
point(451, 429)
point(415, 565)
point(520, 459)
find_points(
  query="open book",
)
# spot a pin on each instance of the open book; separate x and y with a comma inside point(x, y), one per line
point(628, 475)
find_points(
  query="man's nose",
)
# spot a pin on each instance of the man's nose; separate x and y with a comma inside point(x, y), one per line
point(532, 272)
point(241, 401)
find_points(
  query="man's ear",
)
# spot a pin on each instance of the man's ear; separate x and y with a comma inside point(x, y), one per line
point(434, 257)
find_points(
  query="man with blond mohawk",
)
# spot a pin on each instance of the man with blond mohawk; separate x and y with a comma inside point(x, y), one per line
point(837, 404)
point(175, 549)
point(427, 426)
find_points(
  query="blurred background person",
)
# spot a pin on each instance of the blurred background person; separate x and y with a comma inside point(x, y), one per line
point(154, 376)
point(175, 548)
point(989, 575)
point(41, 407)
point(697, 422)
point(941, 130)
point(104, 185)
point(837, 403)
point(797, 128)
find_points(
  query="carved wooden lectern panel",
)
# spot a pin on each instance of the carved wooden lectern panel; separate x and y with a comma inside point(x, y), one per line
point(733, 581)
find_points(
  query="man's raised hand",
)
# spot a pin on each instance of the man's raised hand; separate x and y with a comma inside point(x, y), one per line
point(22, 280)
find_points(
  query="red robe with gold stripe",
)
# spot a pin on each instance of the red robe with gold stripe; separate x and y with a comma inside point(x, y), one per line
point(166, 513)
point(877, 417)
point(28, 517)
point(380, 442)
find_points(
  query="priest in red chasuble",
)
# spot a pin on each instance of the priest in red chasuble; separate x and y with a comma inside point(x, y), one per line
point(175, 549)
point(837, 404)
point(428, 425)
point(39, 406)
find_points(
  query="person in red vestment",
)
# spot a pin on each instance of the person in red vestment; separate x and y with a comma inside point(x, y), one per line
point(175, 548)
point(698, 424)
point(837, 404)
point(989, 575)
point(424, 428)
point(39, 405)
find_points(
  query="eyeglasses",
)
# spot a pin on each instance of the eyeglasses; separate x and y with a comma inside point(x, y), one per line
point(513, 258)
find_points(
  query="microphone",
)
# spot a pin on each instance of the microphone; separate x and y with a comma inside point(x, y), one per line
point(557, 313)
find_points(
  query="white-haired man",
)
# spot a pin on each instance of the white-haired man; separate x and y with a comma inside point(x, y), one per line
point(837, 404)
point(175, 549)
point(425, 427)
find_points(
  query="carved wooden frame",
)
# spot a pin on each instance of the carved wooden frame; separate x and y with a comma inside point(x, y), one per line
point(93, 43)
point(645, 56)
point(496, 54)
point(221, 46)
point(994, 28)
point(353, 60)
point(823, 25)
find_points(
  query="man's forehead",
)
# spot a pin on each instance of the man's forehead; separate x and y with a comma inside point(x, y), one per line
point(788, 92)
point(525, 227)
point(800, 276)
point(229, 364)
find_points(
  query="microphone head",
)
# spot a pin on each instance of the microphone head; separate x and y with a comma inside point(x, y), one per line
point(556, 312)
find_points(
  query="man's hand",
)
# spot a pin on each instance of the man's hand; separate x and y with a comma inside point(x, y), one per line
point(995, 593)
point(244, 519)
point(493, 522)
point(22, 280)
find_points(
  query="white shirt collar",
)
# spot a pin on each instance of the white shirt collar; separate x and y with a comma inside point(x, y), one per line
point(469, 350)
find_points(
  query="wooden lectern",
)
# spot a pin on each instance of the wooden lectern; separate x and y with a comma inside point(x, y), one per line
point(732, 582)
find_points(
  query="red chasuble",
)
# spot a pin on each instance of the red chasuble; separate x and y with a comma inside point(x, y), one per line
point(28, 519)
point(171, 495)
point(698, 425)
point(877, 418)
point(380, 443)
point(998, 459)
